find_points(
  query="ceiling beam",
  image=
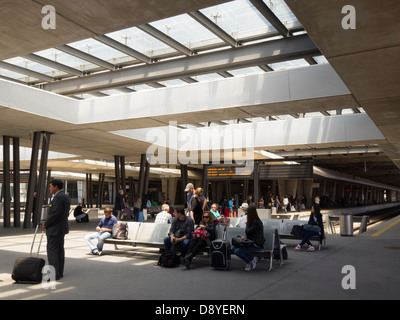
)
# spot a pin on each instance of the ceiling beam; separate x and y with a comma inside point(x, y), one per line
point(213, 62)
point(271, 17)
point(166, 39)
point(214, 28)
point(25, 71)
point(85, 56)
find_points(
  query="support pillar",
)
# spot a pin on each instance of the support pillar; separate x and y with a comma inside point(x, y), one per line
point(6, 182)
point(16, 179)
point(30, 200)
point(42, 178)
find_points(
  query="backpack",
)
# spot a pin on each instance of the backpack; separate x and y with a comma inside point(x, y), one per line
point(169, 259)
point(120, 231)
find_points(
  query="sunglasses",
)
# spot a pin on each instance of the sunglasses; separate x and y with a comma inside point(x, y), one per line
point(206, 217)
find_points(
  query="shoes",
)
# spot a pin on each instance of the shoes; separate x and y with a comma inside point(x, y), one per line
point(311, 248)
point(188, 260)
point(254, 263)
point(298, 248)
point(187, 263)
point(249, 266)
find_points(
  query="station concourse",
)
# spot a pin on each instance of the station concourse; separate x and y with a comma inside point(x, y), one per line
point(248, 99)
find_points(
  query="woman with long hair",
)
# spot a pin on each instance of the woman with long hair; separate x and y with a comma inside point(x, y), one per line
point(202, 237)
point(254, 231)
point(315, 220)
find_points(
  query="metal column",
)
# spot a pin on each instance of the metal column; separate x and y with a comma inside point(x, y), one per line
point(16, 179)
point(42, 178)
point(32, 181)
point(6, 182)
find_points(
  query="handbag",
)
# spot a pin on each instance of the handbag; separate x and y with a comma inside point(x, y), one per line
point(242, 243)
point(297, 230)
point(200, 234)
point(120, 231)
point(312, 227)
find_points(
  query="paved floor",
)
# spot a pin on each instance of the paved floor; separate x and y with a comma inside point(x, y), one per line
point(132, 273)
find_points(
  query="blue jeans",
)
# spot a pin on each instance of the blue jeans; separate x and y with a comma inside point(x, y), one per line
point(245, 253)
point(306, 237)
point(182, 244)
point(101, 236)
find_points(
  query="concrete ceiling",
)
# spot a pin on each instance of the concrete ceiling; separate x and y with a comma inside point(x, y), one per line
point(364, 58)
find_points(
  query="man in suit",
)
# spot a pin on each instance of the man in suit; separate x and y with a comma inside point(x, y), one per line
point(56, 227)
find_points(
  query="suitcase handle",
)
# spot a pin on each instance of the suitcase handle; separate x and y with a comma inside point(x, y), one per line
point(33, 242)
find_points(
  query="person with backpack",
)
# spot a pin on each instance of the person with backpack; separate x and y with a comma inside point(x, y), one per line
point(180, 232)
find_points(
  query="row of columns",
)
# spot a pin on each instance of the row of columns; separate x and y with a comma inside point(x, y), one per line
point(36, 183)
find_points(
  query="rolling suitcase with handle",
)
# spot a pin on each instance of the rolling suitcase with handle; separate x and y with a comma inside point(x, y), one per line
point(29, 269)
point(220, 253)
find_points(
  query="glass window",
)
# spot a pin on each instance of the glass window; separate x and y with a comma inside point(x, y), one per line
point(283, 13)
point(140, 41)
point(237, 17)
point(184, 29)
point(34, 66)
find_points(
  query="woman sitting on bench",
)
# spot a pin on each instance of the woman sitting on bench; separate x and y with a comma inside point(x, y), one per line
point(315, 227)
point(201, 237)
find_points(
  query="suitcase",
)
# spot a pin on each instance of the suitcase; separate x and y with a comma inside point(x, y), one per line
point(29, 269)
point(220, 253)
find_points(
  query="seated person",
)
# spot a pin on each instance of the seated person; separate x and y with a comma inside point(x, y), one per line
point(181, 229)
point(164, 216)
point(104, 231)
point(80, 215)
point(207, 223)
point(316, 220)
point(215, 212)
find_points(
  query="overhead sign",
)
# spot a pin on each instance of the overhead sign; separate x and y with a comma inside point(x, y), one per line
point(229, 172)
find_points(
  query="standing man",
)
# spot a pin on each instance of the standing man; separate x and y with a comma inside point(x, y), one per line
point(119, 203)
point(56, 227)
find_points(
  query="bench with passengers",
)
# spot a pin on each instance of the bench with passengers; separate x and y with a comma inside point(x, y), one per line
point(147, 234)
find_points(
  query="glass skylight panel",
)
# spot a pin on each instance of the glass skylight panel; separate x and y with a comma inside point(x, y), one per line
point(16, 76)
point(246, 71)
point(286, 65)
point(207, 77)
point(183, 29)
point(283, 13)
point(237, 17)
point(140, 41)
point(66, 59)
point(34, 66)
point(97, 49)
point(320, 59)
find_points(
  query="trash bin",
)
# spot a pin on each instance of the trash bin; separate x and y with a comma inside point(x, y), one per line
point(346, 224)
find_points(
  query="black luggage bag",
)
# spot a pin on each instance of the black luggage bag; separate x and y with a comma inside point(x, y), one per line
point(29, 269)
point(220, 253)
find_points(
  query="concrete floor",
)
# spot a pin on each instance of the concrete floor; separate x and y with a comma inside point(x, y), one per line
point(131, 273)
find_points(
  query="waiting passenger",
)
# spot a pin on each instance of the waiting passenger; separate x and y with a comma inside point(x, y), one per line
point(254, 231)
point(181, 229)
point(104, 231)
point(215, 211)
point(317, 228)
point(197, 202)
point(164, 216)
point(80, 214)
point(243, 219)
point(202, 237)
